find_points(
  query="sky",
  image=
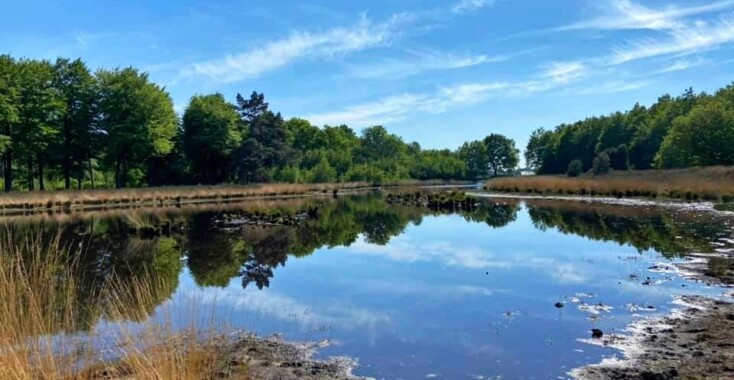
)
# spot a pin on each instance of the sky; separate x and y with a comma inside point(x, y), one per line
point(436, 72)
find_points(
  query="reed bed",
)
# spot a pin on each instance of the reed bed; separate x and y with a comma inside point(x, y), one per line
point(42, 313)
point(709, 183)
point(65, 200)
point(69, 199)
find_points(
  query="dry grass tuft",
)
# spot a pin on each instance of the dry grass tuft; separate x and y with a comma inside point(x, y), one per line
point(41, 312)
point(714, 183)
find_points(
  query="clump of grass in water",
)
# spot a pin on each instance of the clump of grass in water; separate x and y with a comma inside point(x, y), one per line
point(40, 300)
point(724, 206)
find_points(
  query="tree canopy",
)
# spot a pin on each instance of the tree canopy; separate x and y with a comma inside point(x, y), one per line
point(689, 130)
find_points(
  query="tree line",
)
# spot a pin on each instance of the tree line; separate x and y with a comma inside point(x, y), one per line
point(65, 126)
point(684, 131)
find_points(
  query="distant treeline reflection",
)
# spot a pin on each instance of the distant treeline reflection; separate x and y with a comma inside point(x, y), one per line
point(161, 243)
point(669, 232)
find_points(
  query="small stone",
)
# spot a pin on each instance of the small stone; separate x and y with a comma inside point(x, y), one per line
point(596, 333)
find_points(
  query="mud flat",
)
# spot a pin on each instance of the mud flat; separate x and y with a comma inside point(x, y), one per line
point(695, 342)
point(275, 359)
point(243, 356)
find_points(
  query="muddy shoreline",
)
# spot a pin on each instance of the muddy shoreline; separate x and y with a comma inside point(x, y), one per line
point(275, 359)
point(695, 342)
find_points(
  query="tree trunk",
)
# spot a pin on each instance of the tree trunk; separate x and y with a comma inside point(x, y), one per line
point(8, 170)
point(67, 159)
point(41, 185)
point(31, 187)
point(8, 163)
point(120, 173)
point(91, 170)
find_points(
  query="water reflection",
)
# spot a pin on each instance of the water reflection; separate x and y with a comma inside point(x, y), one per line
point(669, 232)
point(394, 283)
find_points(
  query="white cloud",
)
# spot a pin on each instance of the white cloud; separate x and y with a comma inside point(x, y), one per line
point(625, 14)
point(299, 45)
point(691, 38)
point(421, 62)
point(466, 6)
point(565, 72)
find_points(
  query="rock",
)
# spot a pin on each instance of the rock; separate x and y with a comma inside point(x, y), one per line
point(559, 305)
point(596, 333)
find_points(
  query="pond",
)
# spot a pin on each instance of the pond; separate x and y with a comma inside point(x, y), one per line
point(508, 289)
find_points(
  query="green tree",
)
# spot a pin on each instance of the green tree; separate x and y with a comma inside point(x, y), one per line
point(138, 120)
point(266, 146)
point(538, 147)
point(9, 114)
point(211, 132)
point(78, 143)
point(703, 137)
point(575, 168)
point(601, 163)
point(474, 154)
point(502, 155)
point(323, 172)
point(40, 110)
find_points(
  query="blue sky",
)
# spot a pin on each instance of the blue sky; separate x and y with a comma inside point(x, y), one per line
point(436, 72)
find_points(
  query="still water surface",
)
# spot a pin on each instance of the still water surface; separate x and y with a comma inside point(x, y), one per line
point(416, 294)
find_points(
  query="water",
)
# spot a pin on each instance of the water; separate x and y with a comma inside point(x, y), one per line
point(416, 294)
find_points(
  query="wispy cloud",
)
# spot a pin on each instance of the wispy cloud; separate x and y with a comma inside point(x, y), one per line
point(691, 38)
point(466, 6)
point(384, 111)
point(419, 62)
point(565, 72)
point(610, 87)
point(625, 14)
point(398, 107)
point(681, 65)
point(298, 45)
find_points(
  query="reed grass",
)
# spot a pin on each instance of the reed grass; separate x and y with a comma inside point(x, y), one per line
point(42, 312)
point(64, 200)
point(708, 183)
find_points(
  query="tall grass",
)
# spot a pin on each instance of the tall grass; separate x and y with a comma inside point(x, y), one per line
point(709, 183)
point(42, 310)
point(23, 202)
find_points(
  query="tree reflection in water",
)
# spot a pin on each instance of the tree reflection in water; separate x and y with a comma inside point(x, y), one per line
point(158, 243)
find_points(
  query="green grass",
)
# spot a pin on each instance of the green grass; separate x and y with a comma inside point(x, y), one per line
point(724, 206)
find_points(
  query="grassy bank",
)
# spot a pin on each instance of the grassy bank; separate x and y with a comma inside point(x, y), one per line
point(709, 183)
point(22, 202)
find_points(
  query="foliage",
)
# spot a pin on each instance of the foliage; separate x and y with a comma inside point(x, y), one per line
point(503, 156)
point(601, 164)
point(62, 125)
point(688, 130)
point(575, 168)
point(210, 134)
point(138, 120)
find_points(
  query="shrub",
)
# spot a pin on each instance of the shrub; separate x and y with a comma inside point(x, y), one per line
point(601, 164)
point(575, 168)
